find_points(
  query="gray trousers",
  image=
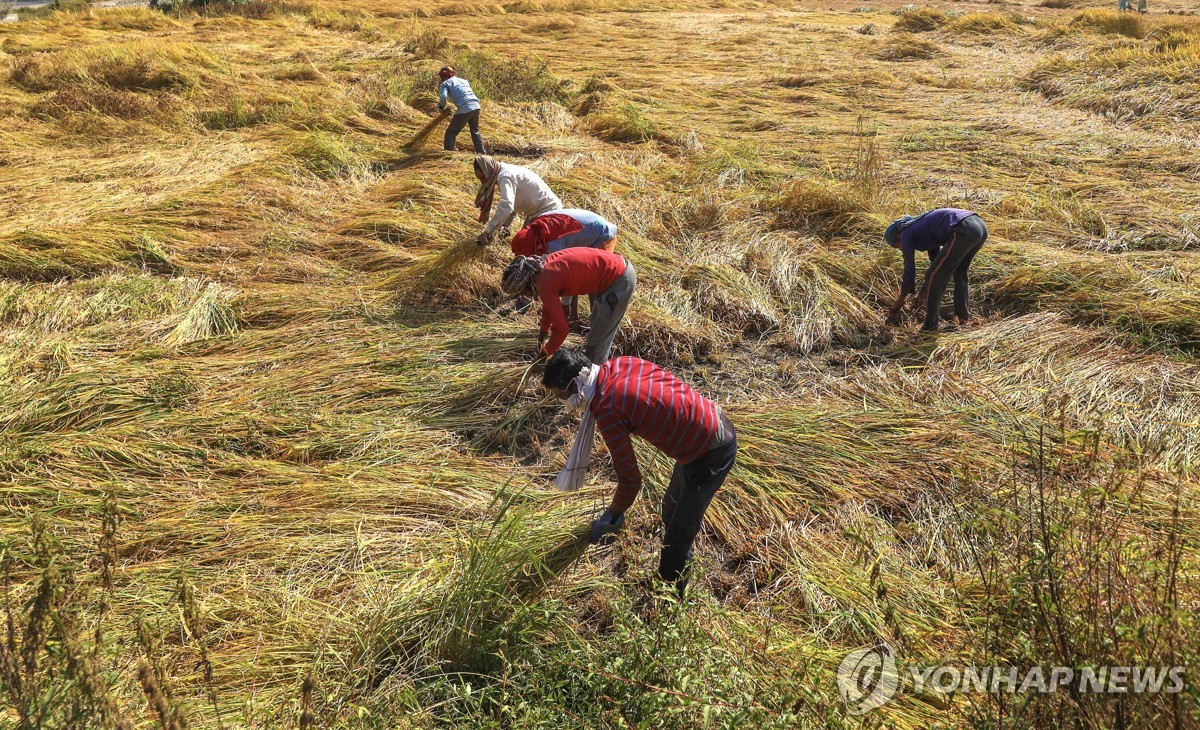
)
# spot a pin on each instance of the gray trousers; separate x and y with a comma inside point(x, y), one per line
point(457, 122)
point(953, 261)
point(607, 310)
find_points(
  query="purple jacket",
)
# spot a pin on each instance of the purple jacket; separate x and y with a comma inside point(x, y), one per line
point(928, 233)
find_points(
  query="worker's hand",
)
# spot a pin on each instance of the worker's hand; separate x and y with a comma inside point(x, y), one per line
point(605, 525)
point(483, 238)
point(895, 315)
point(541, 348)
point(441, 110)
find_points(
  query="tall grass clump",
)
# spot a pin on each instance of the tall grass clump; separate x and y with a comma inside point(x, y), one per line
point(1117, 82)
point(623, 122)
point(1111, 22)
point(906, 47)
point(137, 65)
point(520, 79)
point(982, 24)
point(825, 207)
point(45, 256)
point(1083, 578)
point(211, 315)
point(920, 20)
point(330, 156)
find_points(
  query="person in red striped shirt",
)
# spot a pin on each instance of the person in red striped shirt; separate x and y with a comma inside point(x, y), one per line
point(629, 397)
point(571, 272)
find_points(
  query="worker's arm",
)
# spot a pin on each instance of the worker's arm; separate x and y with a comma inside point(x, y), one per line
point(554, 325)
point(620, 445)
point(506, 205)
point(907, 283)
point(442, 91)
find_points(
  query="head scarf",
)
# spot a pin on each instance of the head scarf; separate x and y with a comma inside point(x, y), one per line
point(489, 170)
point(530, 240)
point(892, 234)
point(573, 473)
point(446, 72)
point(521, 272)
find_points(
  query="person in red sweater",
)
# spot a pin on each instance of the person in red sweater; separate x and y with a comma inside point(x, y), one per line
point(571, 272)
point(627, 397)
point(561, 229)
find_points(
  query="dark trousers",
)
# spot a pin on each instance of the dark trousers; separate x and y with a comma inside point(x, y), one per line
point(953, 260)
point(457, 122)
point(688, 495)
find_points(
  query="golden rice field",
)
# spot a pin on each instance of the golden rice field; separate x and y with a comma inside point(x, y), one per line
point(272, 447)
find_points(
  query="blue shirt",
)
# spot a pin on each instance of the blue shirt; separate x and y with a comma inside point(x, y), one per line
point(928, 233)
point(595, 231)
point(461, 96)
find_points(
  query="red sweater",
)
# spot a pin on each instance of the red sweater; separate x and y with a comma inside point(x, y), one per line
point(532, 239)
point(638, 398)
point(569, 273)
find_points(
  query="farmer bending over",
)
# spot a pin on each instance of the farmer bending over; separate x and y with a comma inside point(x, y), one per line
point(466, 108)
point(565, 229)
point(628, 396)
point(951, 237)
point(521, 191)
point(571, 272)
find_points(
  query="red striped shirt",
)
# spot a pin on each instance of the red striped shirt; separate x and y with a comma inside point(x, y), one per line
point(638, 398)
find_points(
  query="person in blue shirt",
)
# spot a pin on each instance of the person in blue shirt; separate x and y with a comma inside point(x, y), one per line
point(466, 108)
point(951, 237)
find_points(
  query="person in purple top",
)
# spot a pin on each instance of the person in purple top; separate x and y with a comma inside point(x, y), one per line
point(951, 237)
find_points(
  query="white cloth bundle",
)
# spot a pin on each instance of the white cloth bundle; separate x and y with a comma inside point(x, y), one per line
point(573, 474)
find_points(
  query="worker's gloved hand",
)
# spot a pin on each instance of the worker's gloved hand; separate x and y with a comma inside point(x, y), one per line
point(606, 525)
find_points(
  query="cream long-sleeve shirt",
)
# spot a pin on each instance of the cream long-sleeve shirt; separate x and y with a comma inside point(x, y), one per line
point(519, 191)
